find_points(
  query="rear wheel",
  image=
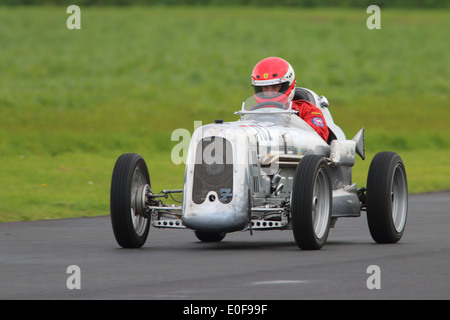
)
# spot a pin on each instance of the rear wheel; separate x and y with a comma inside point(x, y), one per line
point(311, 202)
point(387, 197)
point(129, 185)
point(210, 236)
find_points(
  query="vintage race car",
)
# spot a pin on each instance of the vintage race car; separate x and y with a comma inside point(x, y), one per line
point(269, 170)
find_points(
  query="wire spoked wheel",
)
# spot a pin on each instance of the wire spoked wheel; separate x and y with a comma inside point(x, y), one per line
point(129, 185)
point(387, 197)
point(311, 203)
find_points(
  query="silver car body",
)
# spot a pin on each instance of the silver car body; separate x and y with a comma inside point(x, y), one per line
point(239, 175)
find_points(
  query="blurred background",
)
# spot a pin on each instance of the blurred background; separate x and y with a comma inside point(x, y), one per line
point(72, 101)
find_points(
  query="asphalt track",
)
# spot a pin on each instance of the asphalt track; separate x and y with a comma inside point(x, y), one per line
point(174, 265)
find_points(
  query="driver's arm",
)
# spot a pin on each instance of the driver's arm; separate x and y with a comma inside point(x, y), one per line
point(313, 116)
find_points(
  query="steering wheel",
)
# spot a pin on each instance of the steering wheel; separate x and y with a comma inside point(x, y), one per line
point(268, 103)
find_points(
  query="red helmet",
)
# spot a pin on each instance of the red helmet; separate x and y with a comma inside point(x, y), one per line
point(274, 71)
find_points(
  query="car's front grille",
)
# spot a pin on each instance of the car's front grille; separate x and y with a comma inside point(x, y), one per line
point(213, 170)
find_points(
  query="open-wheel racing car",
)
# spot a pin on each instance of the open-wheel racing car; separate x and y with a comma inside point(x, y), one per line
point(269, 170)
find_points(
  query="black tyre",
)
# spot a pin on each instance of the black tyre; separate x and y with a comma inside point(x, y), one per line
point(210, 236)
point(311, 202)
point(387, 197)
point(130, 178)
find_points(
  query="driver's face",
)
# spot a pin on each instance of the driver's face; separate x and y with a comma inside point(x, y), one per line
point(270, 91)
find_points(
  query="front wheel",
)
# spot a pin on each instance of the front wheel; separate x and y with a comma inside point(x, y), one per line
point(387, 197)
point(311, 202)
point(129, 184)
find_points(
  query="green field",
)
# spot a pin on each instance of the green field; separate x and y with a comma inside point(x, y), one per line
point(72, 101)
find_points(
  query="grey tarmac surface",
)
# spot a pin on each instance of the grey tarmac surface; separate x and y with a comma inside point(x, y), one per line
point(174, 265)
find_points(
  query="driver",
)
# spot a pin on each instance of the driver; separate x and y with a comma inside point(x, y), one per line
point(273, 78)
